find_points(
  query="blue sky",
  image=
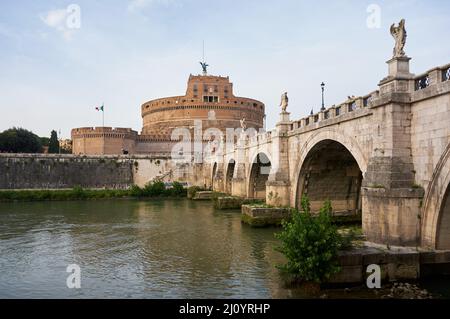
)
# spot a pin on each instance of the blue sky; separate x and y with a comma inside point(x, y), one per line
point(128, 52)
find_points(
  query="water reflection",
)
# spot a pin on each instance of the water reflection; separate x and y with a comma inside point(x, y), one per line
point(141, 249)
point(126, 248)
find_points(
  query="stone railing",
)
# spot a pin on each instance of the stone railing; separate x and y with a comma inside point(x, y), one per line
point(351, 105)
point(432, 77)
point(446, 74)
point(422, 82)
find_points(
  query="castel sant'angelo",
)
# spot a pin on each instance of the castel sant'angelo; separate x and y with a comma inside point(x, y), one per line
point(208, 98)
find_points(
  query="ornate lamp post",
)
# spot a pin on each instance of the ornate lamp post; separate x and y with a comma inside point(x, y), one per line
point(323, 100)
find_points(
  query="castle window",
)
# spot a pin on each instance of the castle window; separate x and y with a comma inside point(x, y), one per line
point(210, 99)
point(205, 88)
point(216, 88)
point(195, 88)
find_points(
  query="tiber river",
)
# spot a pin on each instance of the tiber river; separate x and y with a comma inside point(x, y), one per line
point(138, 249)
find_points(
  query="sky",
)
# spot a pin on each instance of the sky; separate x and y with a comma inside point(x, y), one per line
point(61, 59)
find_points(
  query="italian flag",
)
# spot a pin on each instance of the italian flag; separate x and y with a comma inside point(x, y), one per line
point(101, 108)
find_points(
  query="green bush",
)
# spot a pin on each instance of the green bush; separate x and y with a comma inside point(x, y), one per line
point(78, 192)
point(136, 191)
point(156, 188)
point(177, 189)
point(310, 244)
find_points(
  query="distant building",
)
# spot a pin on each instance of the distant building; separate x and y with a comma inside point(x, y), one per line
point(208, 98)
point(65, 146)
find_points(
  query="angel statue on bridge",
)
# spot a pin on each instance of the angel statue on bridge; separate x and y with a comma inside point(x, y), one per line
point(284, 102)
point(243, 124)
point(399, 34)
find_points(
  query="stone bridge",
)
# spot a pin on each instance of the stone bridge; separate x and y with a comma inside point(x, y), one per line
point(385, 155)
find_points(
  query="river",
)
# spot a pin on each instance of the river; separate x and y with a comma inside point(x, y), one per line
point(137, 249)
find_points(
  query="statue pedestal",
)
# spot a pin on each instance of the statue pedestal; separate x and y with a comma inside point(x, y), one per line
point(284, 117)
point(399, 67)
point(399, 78)
point(284, 124)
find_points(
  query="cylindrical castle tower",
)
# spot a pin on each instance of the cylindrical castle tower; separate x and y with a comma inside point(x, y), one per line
point(208, 98)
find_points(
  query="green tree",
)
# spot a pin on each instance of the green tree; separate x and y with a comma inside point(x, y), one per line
point(19, 140)
point(53, 145)
point(45, 141)
point(310, 244)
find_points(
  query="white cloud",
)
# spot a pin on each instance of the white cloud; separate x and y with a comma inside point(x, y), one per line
point(57, 19)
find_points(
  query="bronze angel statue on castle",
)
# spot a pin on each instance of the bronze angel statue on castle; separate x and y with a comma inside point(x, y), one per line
point(284, 102)
point(399, 34)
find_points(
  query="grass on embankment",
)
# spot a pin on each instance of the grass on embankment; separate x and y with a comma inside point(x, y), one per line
point(156, 189)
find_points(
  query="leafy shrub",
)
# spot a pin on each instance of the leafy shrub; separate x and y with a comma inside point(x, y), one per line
point(156, 188)
point(310, 244)
point(78, 192)
point(178, 189)
point(136, 191)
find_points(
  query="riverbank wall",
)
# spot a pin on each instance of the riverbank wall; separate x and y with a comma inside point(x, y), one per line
point(44, 171)
point(396, 264)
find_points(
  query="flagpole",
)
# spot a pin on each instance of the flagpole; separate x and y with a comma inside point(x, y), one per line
point(103, 122)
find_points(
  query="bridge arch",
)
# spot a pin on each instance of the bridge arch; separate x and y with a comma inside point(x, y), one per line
point(435, 230)
point(258, 174)
point(214, 169)
point(331, 166)
point(229, 173)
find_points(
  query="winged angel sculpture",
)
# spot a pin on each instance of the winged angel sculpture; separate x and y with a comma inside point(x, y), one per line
point(399, 34)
